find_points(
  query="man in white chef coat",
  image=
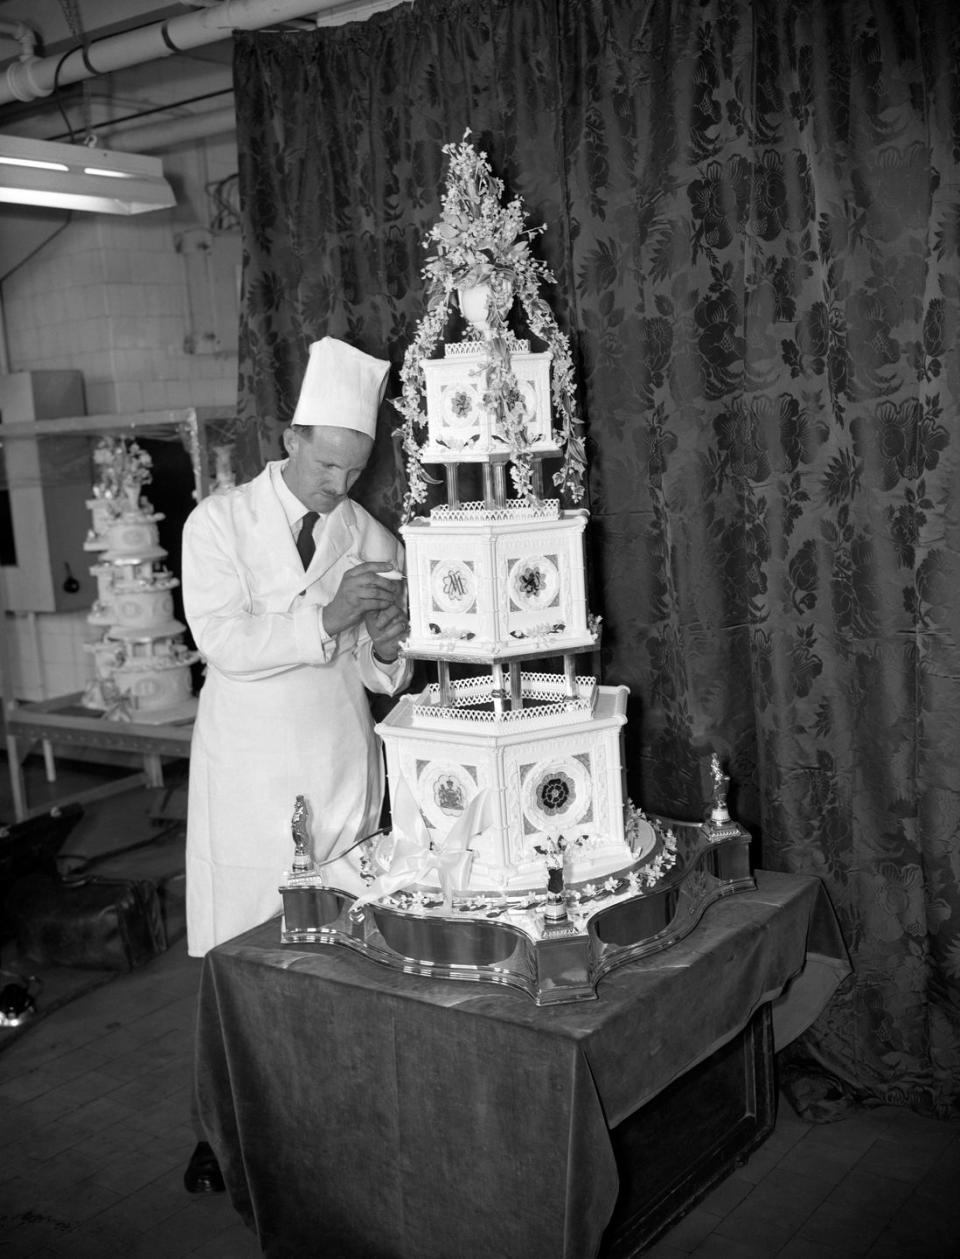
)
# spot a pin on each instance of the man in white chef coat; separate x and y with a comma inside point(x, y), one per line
point(292, 641)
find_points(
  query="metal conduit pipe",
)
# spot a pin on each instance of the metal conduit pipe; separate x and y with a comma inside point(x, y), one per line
point(25, 36)
point(149, 137)
point(33, 77)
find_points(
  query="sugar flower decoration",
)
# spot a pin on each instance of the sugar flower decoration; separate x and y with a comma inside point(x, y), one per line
point(479, 240)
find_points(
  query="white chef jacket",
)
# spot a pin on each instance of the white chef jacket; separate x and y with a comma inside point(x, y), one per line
point(283, 710)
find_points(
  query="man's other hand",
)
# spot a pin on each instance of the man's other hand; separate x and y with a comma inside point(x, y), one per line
point(387, 629)
point(361, 592)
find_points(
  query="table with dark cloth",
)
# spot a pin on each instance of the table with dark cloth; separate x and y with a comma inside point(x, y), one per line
point(358, 1111)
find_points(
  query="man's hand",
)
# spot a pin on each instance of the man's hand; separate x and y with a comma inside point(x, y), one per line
point(362, 591)
point(387, 629)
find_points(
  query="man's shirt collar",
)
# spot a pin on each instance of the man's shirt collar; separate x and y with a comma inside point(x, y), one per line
point(293, 509)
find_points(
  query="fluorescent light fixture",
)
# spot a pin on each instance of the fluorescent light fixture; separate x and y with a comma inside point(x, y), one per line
point(76, 177)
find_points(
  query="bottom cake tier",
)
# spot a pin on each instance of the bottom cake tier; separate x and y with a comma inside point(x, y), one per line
point(492, 799)
point(154, 686)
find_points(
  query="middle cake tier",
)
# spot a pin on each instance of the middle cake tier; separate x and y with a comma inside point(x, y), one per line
point(496, 583)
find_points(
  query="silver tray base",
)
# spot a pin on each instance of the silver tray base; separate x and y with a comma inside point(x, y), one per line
point(488, 940)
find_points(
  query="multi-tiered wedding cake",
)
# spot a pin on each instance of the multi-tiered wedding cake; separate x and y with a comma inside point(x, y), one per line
point(141, 665)
point(531, 755)
point(510, 831)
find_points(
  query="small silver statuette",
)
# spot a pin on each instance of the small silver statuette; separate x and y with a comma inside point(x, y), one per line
point(719, 813)
point(302, 864)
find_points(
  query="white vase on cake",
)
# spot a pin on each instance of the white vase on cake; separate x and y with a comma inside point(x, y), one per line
point(477, 300)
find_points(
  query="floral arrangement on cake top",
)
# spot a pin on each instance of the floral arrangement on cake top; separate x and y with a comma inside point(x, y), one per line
point(476, 239)
point(481, 245)
point(122, 468)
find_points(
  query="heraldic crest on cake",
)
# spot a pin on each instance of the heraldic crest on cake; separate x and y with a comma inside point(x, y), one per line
point(505, 775)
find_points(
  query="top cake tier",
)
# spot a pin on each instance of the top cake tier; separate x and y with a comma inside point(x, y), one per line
point(461, 426)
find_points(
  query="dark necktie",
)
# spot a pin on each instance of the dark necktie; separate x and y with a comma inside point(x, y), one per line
point(305, 540)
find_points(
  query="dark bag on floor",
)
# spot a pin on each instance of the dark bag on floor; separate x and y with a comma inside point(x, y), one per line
point(31, 847)
point(92, 923)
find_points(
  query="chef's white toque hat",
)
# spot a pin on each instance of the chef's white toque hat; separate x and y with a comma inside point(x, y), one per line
point(342, 388)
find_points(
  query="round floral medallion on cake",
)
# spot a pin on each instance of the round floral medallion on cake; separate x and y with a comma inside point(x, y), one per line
point(534, 583)
point(556, 794)
point(460, 408)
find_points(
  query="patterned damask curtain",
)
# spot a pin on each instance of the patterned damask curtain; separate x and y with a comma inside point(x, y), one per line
point(754, 221)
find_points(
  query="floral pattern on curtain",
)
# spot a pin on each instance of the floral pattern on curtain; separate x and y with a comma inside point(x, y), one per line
point(754, 221)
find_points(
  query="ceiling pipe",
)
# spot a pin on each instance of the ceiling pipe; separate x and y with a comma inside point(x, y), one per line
point(25, 36)
point(149, 137)
point(305, 25)
point(33, 77)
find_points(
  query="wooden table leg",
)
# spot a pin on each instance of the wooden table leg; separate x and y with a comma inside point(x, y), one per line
point(49, 763)
point(18, 788)
point(153, 768)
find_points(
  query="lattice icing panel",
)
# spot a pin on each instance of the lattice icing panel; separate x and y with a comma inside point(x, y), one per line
point(544, 697)
point(474, 513)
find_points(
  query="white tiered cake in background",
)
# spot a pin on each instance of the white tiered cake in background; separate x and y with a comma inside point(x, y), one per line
point(513, 854)
point(141, 665)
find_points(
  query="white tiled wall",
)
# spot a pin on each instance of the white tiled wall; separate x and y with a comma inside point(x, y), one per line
point(46, 655)
point(118, 298)
point(112, 297)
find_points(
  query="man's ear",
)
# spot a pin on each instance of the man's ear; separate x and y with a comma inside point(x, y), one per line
point(288, 437)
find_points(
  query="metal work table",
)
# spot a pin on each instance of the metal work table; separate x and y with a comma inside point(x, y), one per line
point(65, 721)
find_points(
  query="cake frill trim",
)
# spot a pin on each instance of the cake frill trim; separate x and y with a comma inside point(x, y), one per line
point(478, 240)
point(582, 898)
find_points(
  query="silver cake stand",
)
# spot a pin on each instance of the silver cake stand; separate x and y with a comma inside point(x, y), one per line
point(554, 944)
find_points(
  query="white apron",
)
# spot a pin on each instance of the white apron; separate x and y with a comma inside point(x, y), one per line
point(283, 710)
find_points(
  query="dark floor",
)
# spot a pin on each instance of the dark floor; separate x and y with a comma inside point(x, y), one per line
point(95, 1132)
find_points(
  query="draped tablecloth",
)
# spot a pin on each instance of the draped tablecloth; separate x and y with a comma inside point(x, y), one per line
point(359, 1112)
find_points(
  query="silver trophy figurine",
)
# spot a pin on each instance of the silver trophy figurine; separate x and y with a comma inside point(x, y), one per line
point(719, 824)
point(302, 863)
point(719, 813)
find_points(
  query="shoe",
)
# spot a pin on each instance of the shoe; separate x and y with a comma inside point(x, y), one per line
point(203, 1174)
